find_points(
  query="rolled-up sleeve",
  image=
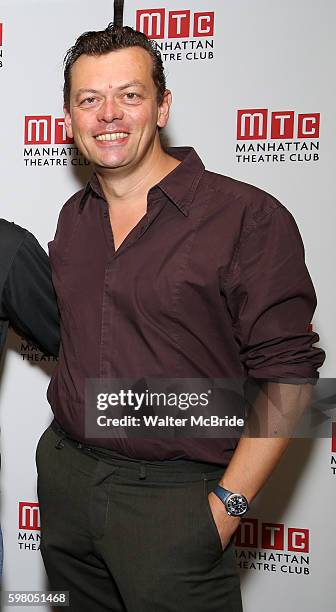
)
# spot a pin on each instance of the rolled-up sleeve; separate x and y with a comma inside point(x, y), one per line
point(271, 299)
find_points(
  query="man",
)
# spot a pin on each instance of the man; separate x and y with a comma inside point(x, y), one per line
point(162, 270)
point(27, 297)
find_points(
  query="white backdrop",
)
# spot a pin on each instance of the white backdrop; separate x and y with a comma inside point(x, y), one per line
point(228, 56)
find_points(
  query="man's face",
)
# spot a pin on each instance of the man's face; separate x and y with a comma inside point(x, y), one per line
point(114, 113)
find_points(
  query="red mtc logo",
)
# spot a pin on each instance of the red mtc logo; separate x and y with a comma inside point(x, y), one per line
point(29, 516)
point(254, 124)
point(272, 536)
point(179, 24)
point(38, 130)
point(333, 438)
point(1, 26)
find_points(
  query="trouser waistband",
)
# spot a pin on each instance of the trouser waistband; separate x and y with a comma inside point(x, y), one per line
point(168, 466)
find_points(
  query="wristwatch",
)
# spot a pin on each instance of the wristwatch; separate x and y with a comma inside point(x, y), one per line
point(235, 504)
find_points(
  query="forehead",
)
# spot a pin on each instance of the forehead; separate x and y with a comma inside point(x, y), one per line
point(112, 69)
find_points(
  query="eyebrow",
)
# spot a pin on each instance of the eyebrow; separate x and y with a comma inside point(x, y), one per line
point(84, 90)
point(131, 84)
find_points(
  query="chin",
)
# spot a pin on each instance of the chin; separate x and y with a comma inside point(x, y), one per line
point(112, 164)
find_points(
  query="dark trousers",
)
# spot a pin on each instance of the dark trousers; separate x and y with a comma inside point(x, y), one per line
point(123, 535)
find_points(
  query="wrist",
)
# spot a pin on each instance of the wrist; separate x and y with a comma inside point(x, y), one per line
point(236, 504)
point(237, 488)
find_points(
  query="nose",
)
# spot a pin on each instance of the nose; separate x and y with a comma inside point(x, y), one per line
point(110, 110)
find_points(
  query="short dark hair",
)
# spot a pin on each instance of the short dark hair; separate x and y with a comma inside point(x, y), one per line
point(113, 38)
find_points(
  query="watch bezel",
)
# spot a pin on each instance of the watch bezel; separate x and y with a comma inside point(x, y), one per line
point(241, 498)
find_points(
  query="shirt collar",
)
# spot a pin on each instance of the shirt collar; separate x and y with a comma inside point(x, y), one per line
point(179, 185)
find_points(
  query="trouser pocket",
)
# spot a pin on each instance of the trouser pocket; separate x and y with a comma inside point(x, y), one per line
point(208, 487)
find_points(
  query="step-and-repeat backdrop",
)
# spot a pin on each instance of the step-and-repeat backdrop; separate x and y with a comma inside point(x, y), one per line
point(254, 92)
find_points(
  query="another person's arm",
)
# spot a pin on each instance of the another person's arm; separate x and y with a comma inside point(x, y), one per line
point(28, 300)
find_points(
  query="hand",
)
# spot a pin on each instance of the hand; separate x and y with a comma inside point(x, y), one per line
point(225, 523)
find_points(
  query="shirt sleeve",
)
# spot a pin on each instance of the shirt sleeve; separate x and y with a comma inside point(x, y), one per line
point(28, 298)
point(3, 334)
point(271, 300)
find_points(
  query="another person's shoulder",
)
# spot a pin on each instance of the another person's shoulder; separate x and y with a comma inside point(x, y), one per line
point(11, 237)
point(11, 232)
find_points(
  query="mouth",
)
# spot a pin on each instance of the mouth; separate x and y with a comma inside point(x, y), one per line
point(111, 137)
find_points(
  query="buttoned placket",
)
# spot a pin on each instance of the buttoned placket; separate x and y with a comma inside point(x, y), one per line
point(113, 272)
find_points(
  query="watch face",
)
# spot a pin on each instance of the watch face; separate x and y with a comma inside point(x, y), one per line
point(236, 504)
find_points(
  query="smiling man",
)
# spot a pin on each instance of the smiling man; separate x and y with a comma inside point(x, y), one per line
point(162, 270)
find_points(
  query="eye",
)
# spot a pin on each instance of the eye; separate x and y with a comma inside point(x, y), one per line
point(131, 96)
point(89, 100)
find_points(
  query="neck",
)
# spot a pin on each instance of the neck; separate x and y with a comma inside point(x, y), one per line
point(132, 184)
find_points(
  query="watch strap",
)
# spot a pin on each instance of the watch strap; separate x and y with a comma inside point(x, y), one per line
point(222, 493)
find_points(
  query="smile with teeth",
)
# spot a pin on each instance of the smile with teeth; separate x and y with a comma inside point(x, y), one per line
point(110, 137)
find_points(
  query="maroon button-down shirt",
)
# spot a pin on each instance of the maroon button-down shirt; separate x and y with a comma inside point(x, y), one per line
point(210, 283)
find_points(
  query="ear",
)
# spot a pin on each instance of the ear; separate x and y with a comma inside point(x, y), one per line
point(163, 110)
point(67, 122)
